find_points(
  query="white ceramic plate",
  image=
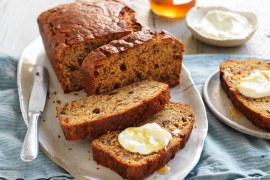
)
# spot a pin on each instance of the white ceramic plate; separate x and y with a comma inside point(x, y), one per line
point(219, 103)
point(76, 157)
point(195, 15)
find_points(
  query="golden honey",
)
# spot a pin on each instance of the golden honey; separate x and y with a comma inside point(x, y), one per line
point(164, 170)
point(172, 8)
point(235, 113)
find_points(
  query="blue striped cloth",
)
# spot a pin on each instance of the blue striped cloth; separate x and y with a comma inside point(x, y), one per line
point(227, 154)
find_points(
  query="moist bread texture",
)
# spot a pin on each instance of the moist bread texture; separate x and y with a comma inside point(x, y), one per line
point(95, 115)
point(140, 55)
point(257, 110)
point(108, 152)
point(69, 32)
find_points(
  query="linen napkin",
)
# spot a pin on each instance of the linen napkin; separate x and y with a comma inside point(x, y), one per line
point(227, 153)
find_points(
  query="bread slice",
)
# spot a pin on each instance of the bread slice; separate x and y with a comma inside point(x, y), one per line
point(256, 110)
point(95, 115)
point(140, 55)
point(108, 152)
point(71, 31)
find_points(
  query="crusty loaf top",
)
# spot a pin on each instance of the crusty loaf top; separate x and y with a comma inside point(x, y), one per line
point(127, 42)
point(76, 22)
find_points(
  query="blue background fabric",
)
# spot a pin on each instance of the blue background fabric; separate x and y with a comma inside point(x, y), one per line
point(227, 153)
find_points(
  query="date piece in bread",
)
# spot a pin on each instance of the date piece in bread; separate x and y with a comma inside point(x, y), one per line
point(95, 115)
point(71, 31)
point(257, 110)
point(138, 56)
point(108, 152)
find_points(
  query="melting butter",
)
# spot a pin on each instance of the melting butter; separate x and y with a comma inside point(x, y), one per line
point(176, 132)
point(235, 113)
point(256, 85)
point(164, 170)
point(221, 24)
point(144, 139)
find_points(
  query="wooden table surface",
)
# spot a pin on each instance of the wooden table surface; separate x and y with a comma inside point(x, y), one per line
point(18, 25)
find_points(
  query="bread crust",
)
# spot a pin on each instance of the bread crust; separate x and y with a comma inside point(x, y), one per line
point(239, 101)
point(141, 171)
point(67, 26)
point(95, 128)
point(127, 44)
point(138, 172)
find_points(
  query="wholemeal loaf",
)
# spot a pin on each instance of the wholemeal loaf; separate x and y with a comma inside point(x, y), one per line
point(256, 110)
point(71, 31)
point(108, 152)
point(140, 55)
point(95, 115)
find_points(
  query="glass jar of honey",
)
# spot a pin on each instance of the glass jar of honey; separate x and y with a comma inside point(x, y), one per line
point(172, 8)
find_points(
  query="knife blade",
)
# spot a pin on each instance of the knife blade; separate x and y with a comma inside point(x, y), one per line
point(36, 106)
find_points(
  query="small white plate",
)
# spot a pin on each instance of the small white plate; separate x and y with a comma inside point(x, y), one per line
point(195, 15)
point(76, 157)
point(219, 103)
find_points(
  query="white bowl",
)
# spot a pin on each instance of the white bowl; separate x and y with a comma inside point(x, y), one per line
point(196, 14)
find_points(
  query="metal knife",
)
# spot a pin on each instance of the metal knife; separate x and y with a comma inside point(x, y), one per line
point(36, 105)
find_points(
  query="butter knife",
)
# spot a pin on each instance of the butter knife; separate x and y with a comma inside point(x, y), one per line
point(36, 105)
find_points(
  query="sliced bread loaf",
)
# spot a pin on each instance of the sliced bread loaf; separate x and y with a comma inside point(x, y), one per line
point(108, 152)
point(71, 31)
point(95, 115)
point(256, 110)
point(140, 55)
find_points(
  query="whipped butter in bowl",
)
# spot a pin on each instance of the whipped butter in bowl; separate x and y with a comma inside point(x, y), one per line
point(220, 26)
point(256, 85)
point(145, 139)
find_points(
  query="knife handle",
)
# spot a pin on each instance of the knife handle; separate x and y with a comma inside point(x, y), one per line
point(30, 144)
